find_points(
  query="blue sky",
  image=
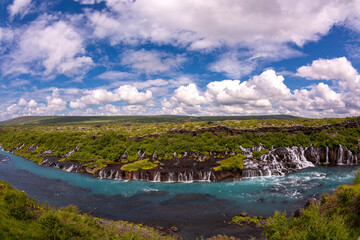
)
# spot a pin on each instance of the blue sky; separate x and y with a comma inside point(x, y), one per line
point(204, 57)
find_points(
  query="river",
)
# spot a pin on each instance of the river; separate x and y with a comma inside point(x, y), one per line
point(197, 208)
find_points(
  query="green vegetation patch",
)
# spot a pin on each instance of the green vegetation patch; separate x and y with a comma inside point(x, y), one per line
point(233, 164)
point(138, 165)
point(102, 144)
point(240, 219)
point(338, 217)
point(258, 154)
point(23, 218)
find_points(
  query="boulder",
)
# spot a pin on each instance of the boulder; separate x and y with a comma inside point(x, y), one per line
point(312, 201)
point(298, 212)
point(174, 229)
point(243, 214)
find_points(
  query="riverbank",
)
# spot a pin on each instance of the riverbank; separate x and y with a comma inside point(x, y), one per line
point(213, 153)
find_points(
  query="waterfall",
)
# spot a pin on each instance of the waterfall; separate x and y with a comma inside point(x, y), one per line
point(341, 155)
point(268, 171)
point(204, 177)
point(184, 177)
point(124, 155)
point(246, 151)
point(191, 177)
point(102, 174)
point(111, 174)
point(171, 177)
point(299, 158)
point(45, 161)
point(327, 155)
point(70, 168)
point(258, 148)
point(157, 177)
point(350, 157)
point(180, 177)
point(32, 145)
point(117, 176)
point(278, 162)
point(256, 173)
point(134, 177)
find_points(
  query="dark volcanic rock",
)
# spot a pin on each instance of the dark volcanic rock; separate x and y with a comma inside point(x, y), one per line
point(313, 202)
point(243, 214)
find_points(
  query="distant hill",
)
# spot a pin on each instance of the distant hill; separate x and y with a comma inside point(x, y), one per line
point(54, 120)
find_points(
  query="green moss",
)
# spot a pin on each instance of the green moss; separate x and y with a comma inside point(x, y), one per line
point(233, 164)
point(258, 154)
point(138, 165)
point(240, 219)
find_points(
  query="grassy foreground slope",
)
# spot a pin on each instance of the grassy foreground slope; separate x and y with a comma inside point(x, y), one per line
point(23, 218)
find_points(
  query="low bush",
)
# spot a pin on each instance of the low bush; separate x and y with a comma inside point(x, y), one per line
point(138, 165)
point(234, 164)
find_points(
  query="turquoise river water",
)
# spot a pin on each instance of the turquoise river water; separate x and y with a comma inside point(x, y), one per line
point(198, 208)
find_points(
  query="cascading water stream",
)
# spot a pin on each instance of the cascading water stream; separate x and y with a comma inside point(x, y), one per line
point(157, 177)
point(327, 155)
point(341, 155)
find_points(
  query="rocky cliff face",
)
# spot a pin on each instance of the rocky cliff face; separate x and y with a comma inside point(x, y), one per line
point(288, 159)
point(193, 166)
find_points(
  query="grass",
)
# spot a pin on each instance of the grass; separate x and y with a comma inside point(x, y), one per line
point(234, 164)
point(138, 165)
point(258, 154)
point(241, 220)
point(23, 218)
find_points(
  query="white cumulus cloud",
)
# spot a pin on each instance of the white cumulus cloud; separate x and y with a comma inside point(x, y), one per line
point(127, 93)
point(48, 46)
point(151, 61)
point(339, 69)
point(18, 7)
point(209, 23)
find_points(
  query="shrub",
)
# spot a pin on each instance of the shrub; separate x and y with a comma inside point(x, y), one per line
point(357, 178)
point(52, 226)
point(258, 154)
point(323, 198)
point(346, 194)
point(277, 226)
point(19, 206)
point(138, 165)
point(233, 164)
